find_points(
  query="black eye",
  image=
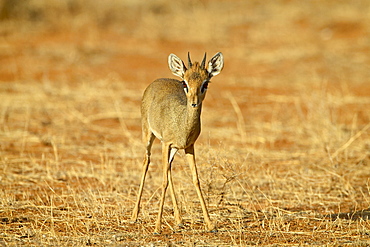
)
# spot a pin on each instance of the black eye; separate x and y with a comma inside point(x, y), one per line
point(185, 86)
point(204, 86)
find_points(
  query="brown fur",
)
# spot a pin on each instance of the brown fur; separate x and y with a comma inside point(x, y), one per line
point(173, 116)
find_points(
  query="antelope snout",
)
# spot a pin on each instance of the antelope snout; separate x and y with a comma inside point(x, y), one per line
point(194, 101)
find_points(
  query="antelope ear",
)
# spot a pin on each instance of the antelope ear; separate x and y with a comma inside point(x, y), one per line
point(176, 65)
point(215, 64)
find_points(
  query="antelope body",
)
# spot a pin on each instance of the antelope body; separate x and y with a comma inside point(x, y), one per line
point(171, 112)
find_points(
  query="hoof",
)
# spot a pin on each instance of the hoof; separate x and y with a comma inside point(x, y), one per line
point(134, 221)
point(157, 231)
point(181, 226)
point(212, 228)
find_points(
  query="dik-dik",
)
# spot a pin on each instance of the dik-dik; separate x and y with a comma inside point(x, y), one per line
point(171, 111)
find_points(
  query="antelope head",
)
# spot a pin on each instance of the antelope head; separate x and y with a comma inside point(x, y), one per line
point(195, 77)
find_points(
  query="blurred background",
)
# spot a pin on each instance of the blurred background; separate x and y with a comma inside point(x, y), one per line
point(279, 55)
point(285, 42)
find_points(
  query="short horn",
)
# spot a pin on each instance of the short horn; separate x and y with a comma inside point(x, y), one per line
point(189, 60)
point(204, 61)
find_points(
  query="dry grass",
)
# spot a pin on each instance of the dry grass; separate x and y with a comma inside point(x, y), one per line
point(284, 154)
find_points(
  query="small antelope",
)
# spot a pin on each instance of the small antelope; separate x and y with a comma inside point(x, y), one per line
point(171, 111)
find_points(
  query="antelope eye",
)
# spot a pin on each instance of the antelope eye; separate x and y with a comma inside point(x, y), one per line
point(185, 86)
point(204, 86)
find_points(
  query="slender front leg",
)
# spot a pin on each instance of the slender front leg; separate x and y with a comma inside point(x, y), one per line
point(176, 210)
point(190, 156)
point(146, 162)
point(166, 174)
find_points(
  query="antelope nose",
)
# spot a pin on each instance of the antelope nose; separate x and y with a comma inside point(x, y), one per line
point(194, 105)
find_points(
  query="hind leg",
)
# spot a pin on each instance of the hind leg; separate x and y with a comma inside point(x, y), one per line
point(167, 156)
point(148, 139)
